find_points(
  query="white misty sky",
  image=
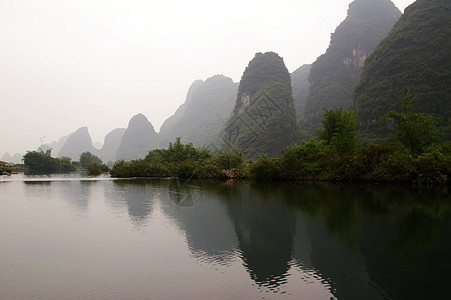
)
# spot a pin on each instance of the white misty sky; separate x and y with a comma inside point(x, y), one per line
point(96, 63)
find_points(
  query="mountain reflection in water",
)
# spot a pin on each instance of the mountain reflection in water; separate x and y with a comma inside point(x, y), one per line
point(292, 240)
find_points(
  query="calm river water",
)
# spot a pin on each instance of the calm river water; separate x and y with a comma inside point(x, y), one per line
point(82, 238)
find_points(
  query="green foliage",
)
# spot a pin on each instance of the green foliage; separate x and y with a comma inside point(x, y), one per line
point(86, 158)
point(41, 163)
point(416, 131)
point(177, 153)
point(263, 68)
point(44, 163)
point(66, 165)
point(398, 166)
point(334, 74)
point(304, 161)
point(228, 160)
point(180, 160)
point(138, 168)
point(264, 120)
point(415, 56)
point(339, 130)
point(94, 169)
point(266, 168)
point(310, 160)
point(433, 166)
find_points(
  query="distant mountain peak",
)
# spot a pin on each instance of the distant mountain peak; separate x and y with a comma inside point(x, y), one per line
point(78, 142)
point(138, 139)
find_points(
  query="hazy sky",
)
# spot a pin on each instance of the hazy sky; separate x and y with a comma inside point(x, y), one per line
point(96, 63)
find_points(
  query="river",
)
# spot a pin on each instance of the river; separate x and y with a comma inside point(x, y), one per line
point(73, 237)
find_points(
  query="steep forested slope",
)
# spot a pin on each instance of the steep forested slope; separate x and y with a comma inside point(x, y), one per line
point(415, 58)
point(334, 74)
point(264, 118)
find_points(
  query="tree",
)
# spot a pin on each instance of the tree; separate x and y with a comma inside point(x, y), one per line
point(177, 153)
point(339, 130)
point(416, 131)
point(66, 165)
point(41, 163)
point(94, 169)
point(87, 157)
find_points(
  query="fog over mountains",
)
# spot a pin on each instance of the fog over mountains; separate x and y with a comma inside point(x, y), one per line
point(270, 109)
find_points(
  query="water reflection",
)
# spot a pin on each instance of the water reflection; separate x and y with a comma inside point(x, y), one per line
point(196, 211)
point(386, 245)
point(77, 193)
point(352, 239)
point(185, 192)
point(355, 242)
point(138, 195)
point(265, 230)
point(38, 190)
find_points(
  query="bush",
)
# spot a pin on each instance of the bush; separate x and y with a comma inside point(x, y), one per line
point(398, 166)
point(86, 158)
point(266, 168)
point(94, 169)
point(229, 160)
point(432, 166)
point(138, 168)
point(339, 130)
point(304, 161)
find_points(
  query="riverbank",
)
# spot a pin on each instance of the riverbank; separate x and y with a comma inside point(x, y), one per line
point(309, 161)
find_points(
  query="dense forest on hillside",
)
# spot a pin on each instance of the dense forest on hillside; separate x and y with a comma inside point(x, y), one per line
point(264, 118)
point(334, 74)
point(416, 58)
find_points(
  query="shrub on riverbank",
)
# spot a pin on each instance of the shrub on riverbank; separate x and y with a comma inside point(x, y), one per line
point(337, 156)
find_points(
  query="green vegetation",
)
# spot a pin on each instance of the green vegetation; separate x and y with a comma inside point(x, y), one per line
point(95, 169)
point(86, 158)
point(416, 131)
point(43, 163)
point(93, 164)
point(339, 130)
point(334, 74)
point(414, 56)
point(180, 160)
point(336, 156)
point(264, 118)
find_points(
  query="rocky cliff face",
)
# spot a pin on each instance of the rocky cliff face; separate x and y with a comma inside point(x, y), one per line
point(77, 143)
point(202, 117)
point(334, 74)
point(415, 58)
point(264, 118)
point(139, 138)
